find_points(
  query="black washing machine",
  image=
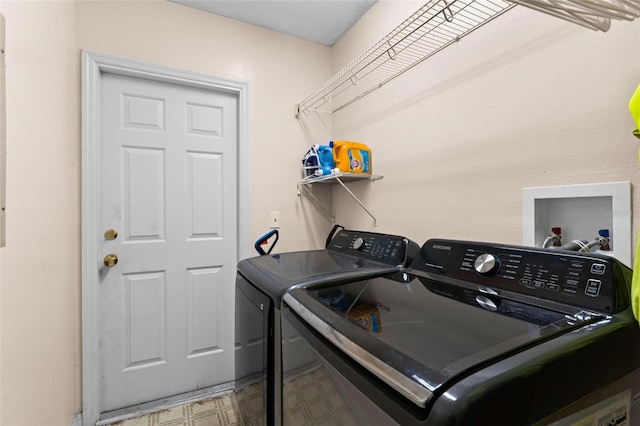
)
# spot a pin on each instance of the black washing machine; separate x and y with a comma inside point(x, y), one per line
point(260, 285)
point(470, 334)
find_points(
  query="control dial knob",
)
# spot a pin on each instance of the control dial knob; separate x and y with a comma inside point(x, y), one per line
point(359, 244)
point(486, 264)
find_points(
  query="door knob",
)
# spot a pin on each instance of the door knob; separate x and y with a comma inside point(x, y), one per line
point(110, 234)
point(110, 260)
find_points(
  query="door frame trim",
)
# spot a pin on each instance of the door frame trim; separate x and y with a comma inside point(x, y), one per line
point(94, 65)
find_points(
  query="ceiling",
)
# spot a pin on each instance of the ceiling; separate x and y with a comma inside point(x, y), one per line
point(321, 21)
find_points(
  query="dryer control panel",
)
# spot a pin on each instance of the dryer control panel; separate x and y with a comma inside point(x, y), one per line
point(585, 280)
point(390, 249)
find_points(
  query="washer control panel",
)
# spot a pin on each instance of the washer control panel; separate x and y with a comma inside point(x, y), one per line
point(584, 280)
point(390, 249)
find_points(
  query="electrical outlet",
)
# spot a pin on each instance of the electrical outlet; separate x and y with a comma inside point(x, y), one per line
point(275, 220)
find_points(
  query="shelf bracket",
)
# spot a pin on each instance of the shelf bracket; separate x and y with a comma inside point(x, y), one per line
point(339, 177)
point(318, 202)
point(301, 110)
point(375, 223)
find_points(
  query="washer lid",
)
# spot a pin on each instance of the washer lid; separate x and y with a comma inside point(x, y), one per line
point(419, 334)
point(275, 274)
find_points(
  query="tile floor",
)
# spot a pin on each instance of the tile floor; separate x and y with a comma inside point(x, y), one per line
point(221, 411)
point(309, 399)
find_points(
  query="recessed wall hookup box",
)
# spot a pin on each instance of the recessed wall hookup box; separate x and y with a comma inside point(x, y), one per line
point(580, 211)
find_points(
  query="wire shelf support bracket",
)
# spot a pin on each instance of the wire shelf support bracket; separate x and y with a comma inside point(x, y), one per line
point(339, 178)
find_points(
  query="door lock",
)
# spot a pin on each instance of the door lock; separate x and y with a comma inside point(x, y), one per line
point(110, 234)
point(110, 260)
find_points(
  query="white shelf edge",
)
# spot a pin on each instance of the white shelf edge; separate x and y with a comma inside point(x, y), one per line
point(345, 176)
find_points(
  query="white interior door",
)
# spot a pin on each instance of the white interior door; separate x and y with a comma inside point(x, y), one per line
point(168, 187)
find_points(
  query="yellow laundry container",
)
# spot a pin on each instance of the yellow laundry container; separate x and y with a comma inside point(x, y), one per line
point(354, 157)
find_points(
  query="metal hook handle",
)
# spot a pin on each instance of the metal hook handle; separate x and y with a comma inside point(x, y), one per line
point(391, 52)
point(444, 12)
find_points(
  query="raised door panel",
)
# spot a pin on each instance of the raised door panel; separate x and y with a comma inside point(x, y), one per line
point(169, 186)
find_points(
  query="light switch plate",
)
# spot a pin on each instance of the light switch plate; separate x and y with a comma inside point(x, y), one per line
point(275, 219)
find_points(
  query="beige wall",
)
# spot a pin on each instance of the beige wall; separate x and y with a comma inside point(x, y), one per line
point(525, 101)
point(40, 370)
point(40, 265)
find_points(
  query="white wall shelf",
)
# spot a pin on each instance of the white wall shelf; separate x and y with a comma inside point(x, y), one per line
point(340, 178)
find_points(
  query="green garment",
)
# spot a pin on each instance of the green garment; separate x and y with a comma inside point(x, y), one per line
point(634, 108)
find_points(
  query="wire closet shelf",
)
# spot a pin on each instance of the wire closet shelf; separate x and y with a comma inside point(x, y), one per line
point(435, 26)
point(430, 29)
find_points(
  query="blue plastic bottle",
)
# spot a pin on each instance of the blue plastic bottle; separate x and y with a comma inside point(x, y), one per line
point(325, 156)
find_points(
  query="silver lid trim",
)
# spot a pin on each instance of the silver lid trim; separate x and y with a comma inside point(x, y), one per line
point(415, 392)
